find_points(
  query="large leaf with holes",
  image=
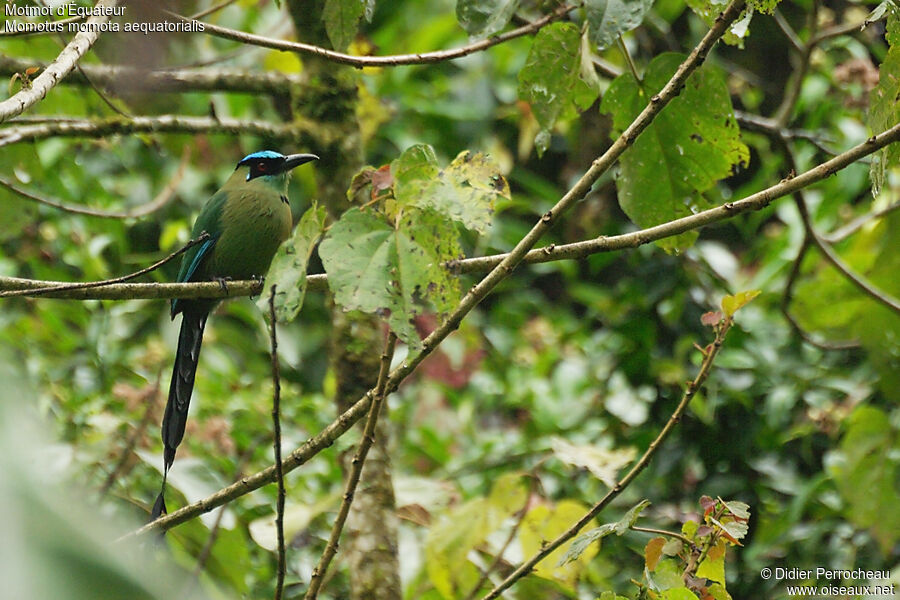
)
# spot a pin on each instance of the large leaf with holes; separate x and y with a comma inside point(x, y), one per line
point(377, 266)
point(464, 191)
point(692, 143)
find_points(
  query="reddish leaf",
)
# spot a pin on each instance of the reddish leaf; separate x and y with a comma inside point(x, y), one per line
point(652, 552)
point(711, 318)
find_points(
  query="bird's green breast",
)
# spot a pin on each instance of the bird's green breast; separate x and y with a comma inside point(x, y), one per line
point(255, 219)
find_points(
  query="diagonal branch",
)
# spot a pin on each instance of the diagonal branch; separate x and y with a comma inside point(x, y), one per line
point(58, 69)
point(359, 459)
point(359, 62)
point(709, 356)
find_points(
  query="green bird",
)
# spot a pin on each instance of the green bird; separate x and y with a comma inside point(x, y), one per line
point(246, 220)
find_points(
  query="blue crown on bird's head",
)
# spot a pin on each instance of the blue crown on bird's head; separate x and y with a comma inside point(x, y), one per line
point(269, 163)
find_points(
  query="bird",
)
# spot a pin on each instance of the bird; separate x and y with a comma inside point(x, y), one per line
point(245, 221)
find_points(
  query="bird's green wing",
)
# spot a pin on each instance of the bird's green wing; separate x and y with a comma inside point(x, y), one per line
point(210, 221)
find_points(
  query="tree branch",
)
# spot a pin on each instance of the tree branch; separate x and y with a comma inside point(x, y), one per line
point(276, 442)
point(121, 78)
point(378, 61)
point(89, 284)
point(550, 253)
point(788, 296)
point(96, 128)
point(838, 263)
point(58, 69)
point(359, 459)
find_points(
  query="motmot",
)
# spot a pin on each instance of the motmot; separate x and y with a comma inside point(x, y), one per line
point(246, 220)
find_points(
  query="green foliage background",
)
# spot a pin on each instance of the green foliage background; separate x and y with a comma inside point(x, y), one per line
point(594, 352)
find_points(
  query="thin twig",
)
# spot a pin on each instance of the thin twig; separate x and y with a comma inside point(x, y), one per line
point(212, 9)
point(546, 549)
point(788, 296)
point(841, 234)
point(64, 63)
point(837, 31)
point(206, 551)
point(827, 251)
point(785, 110)
point(838, 263)
point(276, 441)
point(788, 31)
point(505, 266)
point(359, 459)
point(109, 103)
point(91, 284)
point(631, 66)
point(664, 532)
point(164, 196)
point(377, 61)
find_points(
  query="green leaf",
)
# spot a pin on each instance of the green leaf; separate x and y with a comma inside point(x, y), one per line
point(482, 18)
point(713, 566)
point(690, 145)
point(288, 270)
point(666, 575)
point(581, 543)
point(732, 304)
point(884, 105)
point(717, 591)
point(608, 19)
point(631, 517)
point(342, 20)
point(551, 80)
point(378, 267)
point(738, 509)
point(867, 473)
point(297, 517)
point(465, 191)
point(544, 522)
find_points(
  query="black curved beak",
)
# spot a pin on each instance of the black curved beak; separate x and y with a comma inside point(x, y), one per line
point(295, 160)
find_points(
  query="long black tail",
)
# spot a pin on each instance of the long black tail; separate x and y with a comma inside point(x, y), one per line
point(192, 323)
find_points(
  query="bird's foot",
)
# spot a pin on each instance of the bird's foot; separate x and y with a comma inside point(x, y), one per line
point(223, 282)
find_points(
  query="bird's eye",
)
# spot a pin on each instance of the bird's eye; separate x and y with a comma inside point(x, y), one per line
point(261, 166)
